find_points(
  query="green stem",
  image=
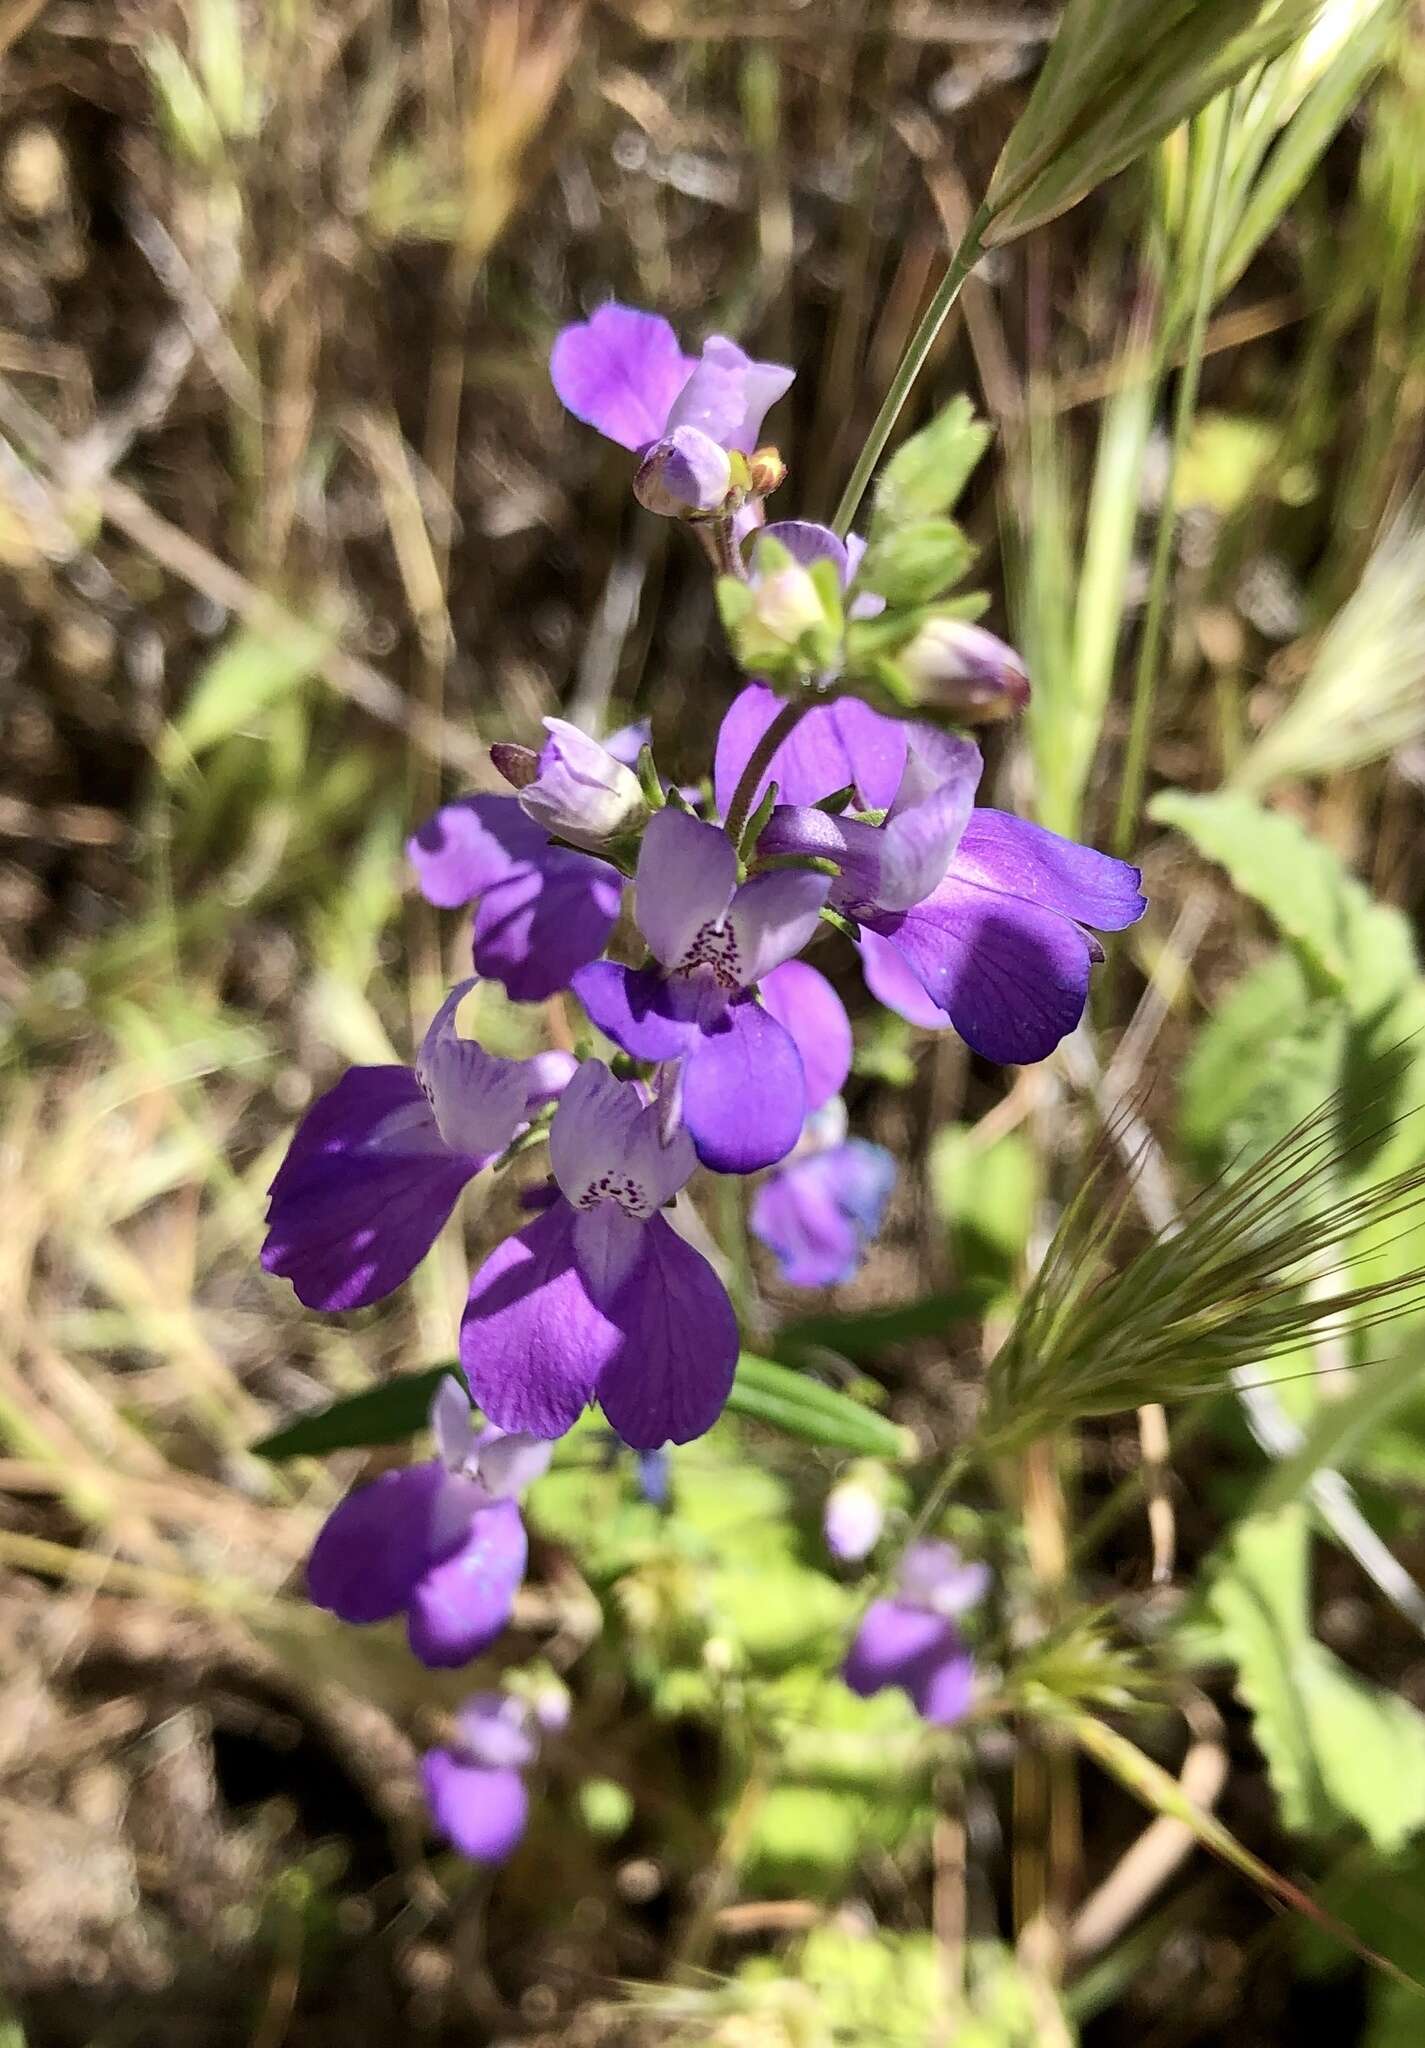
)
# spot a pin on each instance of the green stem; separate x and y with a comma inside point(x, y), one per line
point(745, 794)
point(1145, 681)
point(911, 364)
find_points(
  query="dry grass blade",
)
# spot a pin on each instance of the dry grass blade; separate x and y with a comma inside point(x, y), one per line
point(1228, 1291)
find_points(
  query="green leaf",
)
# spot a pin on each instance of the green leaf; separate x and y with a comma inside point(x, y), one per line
point(986, 1195)
point(913, 565)
point(866, 1333)
point(387, 1414)
point(1337, 1749)
point(925, 477)
point(241, 682)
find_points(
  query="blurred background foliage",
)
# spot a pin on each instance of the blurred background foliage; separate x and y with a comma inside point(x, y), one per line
point(290, 527)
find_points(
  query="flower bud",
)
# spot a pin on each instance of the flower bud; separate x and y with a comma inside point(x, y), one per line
point(787, 604)
point(959, 668)
point(581, 793)
point(684, 476)
point(766, 472)
point(854, 1515)
point(518, 765)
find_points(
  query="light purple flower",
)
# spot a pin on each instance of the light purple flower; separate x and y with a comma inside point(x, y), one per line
point(541, 911)
point(854, 1515)
point(839, 745)
point(442, 1541)
point(817, 1212)
point(582, 791)
point(743, 1078)
point(963, 670)
point(911, 1639)
point(475, 1786)
point(377, 1164)
point(599, 1298)
point(625, 373)
point(972, 916)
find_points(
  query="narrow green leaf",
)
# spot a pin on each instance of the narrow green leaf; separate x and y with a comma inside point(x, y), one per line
point(379, 1415)
point(792, 1400)
point(915, 564)
point(866, 1333)
point(243, 680)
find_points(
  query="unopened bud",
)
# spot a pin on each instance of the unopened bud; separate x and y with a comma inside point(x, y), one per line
point(958, 667)
point(855, 1514)
point(518, 765)
point(766, 471)
point(787, 604)
point(684, 476)
point(581, 793)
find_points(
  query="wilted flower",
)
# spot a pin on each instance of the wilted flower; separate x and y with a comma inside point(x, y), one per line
point(580, 790)
point(911, 1639)
point(624, 373)
point(599, 1298)
point(376, 1165)
point(959, 669)
point(474, 1786)
point(442, 1541)
point(743, 1077)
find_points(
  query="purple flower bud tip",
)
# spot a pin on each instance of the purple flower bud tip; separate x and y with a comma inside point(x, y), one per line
point(581, 792)
point(962, 668)
point(518, 765)
point(686, 475)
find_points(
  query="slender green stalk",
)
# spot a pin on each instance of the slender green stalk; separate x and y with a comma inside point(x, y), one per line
point(745, 794)
point(911, 364)
point(1145, 681)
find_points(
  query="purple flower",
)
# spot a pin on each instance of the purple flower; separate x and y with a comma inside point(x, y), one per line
point(475, 1787)
point(964, 671)
point(818, 1211)
point(839, 745)
point(625, 373)
point(855, 1514)
point(581, 790)
point(442, 1541)
point(911, 1640)
point(970, 915)
point(599, 1298)
point(376, 1165)
point(744, 1080)
point(541, 911)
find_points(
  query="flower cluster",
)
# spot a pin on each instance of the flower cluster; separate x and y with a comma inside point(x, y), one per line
point(839, 800)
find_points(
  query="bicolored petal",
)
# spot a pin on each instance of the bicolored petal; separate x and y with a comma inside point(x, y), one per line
point(535, 930)
point(479, 1101)
point(687, 872)
point(772, 917)
point(608, 1144)
point(620, 371)
point(363, 1193)
point(481, 1813)
point(728, 395)
point(532, 1342)
point(639, 1009)
point(458, 1607)
point(1016, 858)
point(470, 846)
point(923, 1654)
point(808, 1008)
point(831, 747)
point(377, 1544)
point(671, 1376)
point(744, 1096)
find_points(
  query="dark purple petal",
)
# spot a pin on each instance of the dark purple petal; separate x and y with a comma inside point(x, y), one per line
point(892, 982)
point(363, 1192)
point(608, 1244)
point(531, 1341)
point(806, 1005)
point(458, 1608)
point(535, 931)
point(903, 1646)
point(1019, 859)
point(379, 1542)
point(638, 1009)
point(471, 845)
point(1012, 978)
point(671, 1376)
point(620, 371)
point(830, 747)
point(744, 1097)
point(481, 1813)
